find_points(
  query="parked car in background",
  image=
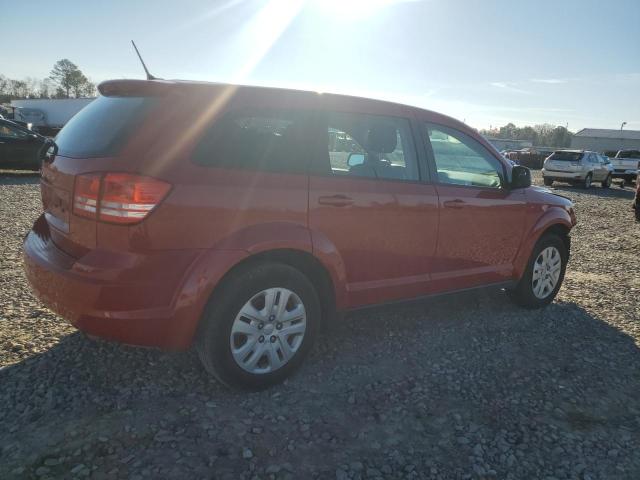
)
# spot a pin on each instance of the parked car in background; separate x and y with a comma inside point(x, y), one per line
point(19, 146)
point(246, 230)
point(636, 201)
point(626, 164)
point(47, 115)
point(578, 167)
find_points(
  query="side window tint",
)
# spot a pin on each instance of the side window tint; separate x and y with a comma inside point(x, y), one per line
point(9, 132)
point(371, 146)
point(461, 160)
point(278, 141)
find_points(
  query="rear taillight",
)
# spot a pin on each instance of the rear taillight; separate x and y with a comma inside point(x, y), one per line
point(85, 195)
point(117, 197)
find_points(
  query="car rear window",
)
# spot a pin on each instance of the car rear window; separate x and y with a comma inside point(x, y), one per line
point(566, 156)
point(628, 154)
point(101, 128)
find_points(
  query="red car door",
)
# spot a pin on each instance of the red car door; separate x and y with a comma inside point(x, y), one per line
point(368, 206)
point(481, 219)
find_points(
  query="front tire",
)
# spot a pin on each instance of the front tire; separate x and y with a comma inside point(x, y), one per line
point(544, 274)
point(587, 181)
point(259, 326)
point(606, 183)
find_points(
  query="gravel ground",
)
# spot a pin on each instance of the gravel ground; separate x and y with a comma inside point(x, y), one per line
point(460, 387)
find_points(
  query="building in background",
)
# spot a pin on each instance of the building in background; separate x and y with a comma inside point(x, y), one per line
point(602, 139)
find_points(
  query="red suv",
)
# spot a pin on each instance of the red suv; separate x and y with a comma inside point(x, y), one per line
point(242, 218)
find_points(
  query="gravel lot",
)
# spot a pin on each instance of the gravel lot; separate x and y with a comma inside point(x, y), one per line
point(465, 386)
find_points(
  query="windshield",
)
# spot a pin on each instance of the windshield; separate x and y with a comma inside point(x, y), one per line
point(566, 156)
point(102, 127)
point(628, 154)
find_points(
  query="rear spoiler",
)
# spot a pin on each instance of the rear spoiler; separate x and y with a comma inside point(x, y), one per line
point(135, 88)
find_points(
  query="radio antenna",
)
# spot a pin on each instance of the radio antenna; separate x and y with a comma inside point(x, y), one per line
point(149, 76)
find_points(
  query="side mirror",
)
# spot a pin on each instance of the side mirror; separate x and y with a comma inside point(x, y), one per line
point(355, 159)
point(520, 177)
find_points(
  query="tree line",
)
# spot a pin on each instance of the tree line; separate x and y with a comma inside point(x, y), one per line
point(544, 135)
point(65, 80)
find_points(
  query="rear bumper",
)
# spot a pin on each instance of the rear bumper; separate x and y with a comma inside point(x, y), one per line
point(554, 174)
point(146, 299)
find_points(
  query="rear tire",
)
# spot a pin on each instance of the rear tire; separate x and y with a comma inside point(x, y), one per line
point(587, 181)
point(527, 293)
point(548, 181)
point(222, 324)
point(606, 183)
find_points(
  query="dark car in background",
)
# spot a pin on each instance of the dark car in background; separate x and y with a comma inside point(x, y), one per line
point(19, 146)
point(636, 201)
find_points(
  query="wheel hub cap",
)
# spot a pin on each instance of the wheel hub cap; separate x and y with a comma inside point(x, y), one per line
point(268, 330)
point(546, 272)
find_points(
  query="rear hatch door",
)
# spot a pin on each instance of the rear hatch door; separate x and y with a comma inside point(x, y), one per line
point(89, 143)
point(564, 161)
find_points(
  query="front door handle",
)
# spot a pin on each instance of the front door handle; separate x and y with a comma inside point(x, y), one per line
point(457, 203)
point(335, 200)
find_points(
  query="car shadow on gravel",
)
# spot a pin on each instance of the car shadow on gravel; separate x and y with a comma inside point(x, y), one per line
point(401, 372)
point(10, 177)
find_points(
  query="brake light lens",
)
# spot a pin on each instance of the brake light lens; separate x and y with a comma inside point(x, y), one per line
point(117, 197)
point(85, 195)
point(129, 198)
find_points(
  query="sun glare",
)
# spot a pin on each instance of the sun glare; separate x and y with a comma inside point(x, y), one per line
point(353, 9)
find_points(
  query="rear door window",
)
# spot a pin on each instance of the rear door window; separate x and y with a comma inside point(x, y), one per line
point(371, 146)
point(268, 140)
point(102, 127)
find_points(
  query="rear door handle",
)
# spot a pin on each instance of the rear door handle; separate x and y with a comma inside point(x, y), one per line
point(335, 200)
point(457, 203)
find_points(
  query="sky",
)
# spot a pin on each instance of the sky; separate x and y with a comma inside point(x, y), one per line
point(564, 62)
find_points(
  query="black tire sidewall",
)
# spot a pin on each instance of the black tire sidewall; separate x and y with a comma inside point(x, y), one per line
point(524, 290)
point(216, 329)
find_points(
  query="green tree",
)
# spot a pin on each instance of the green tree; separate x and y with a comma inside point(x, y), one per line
point(69, 79)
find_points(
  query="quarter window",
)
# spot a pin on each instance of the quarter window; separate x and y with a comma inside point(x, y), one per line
point(263, 140)
point(371, 146)
point(461, 160)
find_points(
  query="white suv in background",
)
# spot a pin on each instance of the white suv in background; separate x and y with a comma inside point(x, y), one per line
point(580, 167)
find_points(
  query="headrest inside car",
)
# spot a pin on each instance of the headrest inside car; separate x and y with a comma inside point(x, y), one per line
point(382, 138)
